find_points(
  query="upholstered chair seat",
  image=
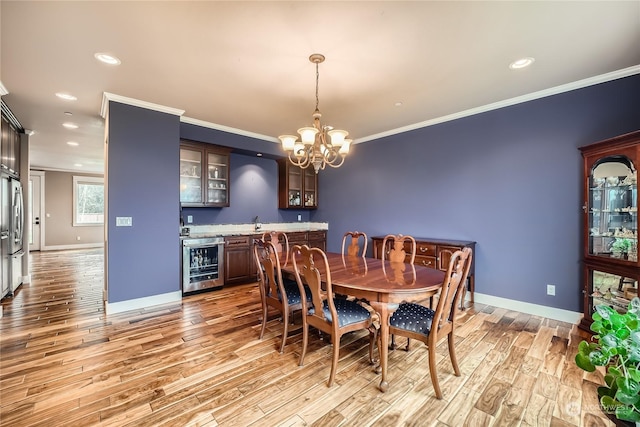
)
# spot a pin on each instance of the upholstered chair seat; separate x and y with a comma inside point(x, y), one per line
point(413, 317)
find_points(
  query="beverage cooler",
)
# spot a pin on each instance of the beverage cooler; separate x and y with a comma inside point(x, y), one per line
point(202, 264)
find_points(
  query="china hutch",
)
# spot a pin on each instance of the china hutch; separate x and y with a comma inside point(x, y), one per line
point(297, 187)
point(611, 270)
point(204, 175)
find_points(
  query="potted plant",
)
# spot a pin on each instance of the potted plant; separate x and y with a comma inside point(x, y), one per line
point(616, 345)
point(621, 246)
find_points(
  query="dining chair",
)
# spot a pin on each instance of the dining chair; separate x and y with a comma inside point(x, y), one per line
point(280, 242)
point(282, 295)
point(353, 239)
point(331, 315)
point(424, 324)
point(393, 248)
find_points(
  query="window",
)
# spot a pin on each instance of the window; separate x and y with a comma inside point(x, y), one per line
point(88, 200)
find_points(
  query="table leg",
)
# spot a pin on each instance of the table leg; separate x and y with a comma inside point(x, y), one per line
point(383, 311)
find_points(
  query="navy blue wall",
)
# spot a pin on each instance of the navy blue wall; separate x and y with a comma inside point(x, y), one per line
point(143, 183)
point(510, 179)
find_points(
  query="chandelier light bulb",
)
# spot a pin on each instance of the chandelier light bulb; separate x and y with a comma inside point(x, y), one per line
point(288, 141)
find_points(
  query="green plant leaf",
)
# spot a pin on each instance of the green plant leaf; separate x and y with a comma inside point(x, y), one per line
point(584, 362)
point(605, 311)
point(634, 374)
point(608, 403)
point(627, 413)
point(598, 358)
point(614, 372)
point(610, 381)
point(606, 391)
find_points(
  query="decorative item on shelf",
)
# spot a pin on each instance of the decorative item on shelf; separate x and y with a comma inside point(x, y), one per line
point(617, 348)
point(621, 247)
point(320, 145)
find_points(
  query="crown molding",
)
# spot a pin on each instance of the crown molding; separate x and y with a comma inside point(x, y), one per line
point(603, 78)
point(106, 97)
point(3, 90)
point(223, 128)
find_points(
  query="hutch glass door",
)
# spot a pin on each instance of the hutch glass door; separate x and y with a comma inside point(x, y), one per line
point(613, 209)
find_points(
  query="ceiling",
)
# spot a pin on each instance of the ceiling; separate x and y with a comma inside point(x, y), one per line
point(244, 65)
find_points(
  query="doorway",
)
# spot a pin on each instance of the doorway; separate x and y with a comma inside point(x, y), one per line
point(36, 206)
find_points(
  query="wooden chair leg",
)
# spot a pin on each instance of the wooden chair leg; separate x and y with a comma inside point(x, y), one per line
point(265, 313)
point(334, 361)
point(373, 338)
point(452, 354)
point(285, 332)
point(305, 339)
point(433, 373)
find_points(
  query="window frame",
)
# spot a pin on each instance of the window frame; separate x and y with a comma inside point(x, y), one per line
point(79, 180)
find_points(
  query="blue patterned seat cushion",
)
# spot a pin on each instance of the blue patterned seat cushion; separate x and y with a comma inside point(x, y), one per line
point(293, 292)
point(413, 317)
point(348, 311)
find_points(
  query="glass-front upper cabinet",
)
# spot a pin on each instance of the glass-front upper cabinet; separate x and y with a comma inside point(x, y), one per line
point(297, 187)
point(611, 270)
point(217, 178)
point(204, 175)
point(190, 175)
point(613, 208)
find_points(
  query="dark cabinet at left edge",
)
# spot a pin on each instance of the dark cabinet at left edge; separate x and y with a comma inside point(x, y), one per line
point(10, 146)
point(204, 175)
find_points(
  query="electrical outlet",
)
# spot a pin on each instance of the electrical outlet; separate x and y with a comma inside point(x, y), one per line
point(77, 237)
point(189, 219)
point(299, 217)
point(551, 290)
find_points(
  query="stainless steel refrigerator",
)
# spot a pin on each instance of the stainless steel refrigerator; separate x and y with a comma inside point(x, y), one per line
point(11, 233)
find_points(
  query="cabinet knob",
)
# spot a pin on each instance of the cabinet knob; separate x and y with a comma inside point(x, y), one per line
point(426, 264)
point(584, 208)
point(423, 250)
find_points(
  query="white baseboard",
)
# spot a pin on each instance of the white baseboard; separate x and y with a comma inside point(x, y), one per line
point(528, 308)
point(142, 303)
point(75, 246)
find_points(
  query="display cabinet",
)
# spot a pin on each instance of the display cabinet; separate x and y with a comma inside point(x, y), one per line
point(204, 175)
point(297, 187)
point(610, 263)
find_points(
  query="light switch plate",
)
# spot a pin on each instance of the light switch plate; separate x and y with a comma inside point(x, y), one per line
point(124, 221)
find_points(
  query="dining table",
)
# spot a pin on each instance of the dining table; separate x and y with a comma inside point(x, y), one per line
point(383, 284)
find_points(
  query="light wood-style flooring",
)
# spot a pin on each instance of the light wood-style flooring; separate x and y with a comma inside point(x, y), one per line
point(63, 362)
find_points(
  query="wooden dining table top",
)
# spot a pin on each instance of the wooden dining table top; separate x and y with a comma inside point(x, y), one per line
point(378, 280)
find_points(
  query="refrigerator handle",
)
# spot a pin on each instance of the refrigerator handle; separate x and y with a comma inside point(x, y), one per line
point(4, 235)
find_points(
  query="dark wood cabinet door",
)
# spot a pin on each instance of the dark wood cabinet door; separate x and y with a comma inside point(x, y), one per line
point(297, 187)
point(239, 263)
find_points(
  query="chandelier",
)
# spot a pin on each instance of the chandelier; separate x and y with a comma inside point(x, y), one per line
point(319, 145)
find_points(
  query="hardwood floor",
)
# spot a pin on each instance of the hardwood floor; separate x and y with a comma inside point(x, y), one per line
point(63, 362)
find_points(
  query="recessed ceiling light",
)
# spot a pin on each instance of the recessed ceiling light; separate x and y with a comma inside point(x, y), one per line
point(66, 96)
point(521, 63)
point(78, 165)
point(107, 59)
point(68, 113)
point(70, 125)
point(398, 104)
point(259, 154)
point(72, 143)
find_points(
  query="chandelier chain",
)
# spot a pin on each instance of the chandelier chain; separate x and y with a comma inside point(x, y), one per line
point(317, 83)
